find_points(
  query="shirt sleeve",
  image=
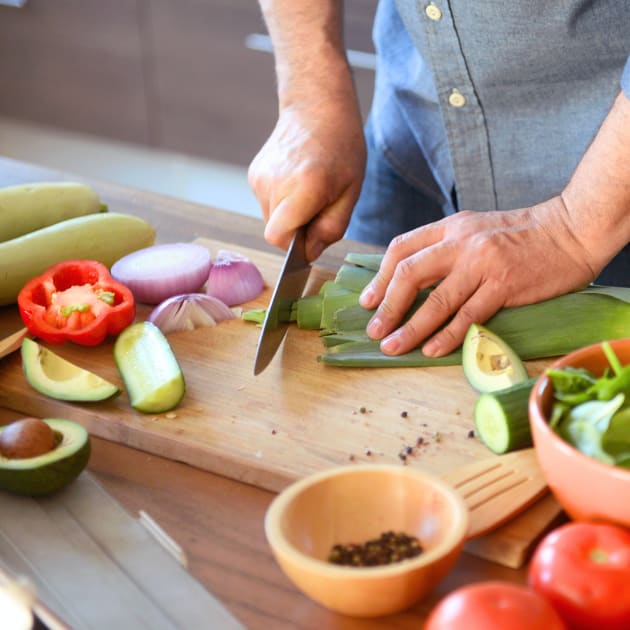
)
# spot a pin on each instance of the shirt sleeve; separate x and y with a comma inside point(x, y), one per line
point(625, 79)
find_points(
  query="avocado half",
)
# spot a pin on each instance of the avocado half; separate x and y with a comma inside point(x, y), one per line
point(489, 362)
point(47, 473)
point(55, 377)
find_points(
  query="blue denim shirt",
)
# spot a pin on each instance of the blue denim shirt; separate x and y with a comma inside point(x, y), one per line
point(496, 99)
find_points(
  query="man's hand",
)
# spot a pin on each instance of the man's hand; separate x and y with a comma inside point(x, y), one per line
point(310, 170)
point(480, 262)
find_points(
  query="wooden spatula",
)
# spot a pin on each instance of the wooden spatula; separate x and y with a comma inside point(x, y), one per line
point(498, 488)
point(12, 342)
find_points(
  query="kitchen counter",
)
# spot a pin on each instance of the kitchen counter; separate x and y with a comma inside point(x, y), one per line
point(217, 521)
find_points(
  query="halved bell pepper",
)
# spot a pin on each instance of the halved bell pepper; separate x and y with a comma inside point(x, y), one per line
point(76, 300)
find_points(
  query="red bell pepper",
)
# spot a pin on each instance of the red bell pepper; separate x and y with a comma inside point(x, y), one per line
point(583, 569)
point(76, 300)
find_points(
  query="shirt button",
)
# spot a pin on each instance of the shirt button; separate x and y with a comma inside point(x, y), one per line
point(457, 99)
point(433, 12)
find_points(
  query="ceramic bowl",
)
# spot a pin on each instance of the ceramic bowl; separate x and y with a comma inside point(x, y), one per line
point(587, 489)
point(354, 504)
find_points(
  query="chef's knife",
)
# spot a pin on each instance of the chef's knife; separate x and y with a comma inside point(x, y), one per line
point(288, 289)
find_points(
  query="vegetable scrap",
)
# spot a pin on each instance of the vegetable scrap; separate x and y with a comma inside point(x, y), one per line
point(76, 300)
point(388, 548)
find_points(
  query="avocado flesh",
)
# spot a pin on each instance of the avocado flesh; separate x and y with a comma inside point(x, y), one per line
point(489, 363)
point(48, 473)
point(55, 377)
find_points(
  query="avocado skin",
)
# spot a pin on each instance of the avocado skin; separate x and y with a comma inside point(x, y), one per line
point(47, 477)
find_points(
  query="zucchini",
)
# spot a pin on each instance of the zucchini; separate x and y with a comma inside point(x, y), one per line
point(149, 369)
point(104, 237)
point(29, 207)
point(501, 418)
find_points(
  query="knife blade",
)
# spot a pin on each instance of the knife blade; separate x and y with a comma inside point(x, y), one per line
point(289, 287)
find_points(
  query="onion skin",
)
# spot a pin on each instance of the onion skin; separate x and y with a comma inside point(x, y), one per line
point(234, 279)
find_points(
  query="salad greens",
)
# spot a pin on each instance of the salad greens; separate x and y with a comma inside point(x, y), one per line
point(593, 413)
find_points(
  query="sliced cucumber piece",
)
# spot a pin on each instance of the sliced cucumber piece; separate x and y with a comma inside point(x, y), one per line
point(55, 377)
point(489, 363)
point(152, 376)
point(502, 418)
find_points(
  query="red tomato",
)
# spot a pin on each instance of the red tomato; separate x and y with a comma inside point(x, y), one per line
point(494, 605)
point(583, 569)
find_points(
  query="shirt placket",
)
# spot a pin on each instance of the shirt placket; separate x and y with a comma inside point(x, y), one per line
point(461, 110)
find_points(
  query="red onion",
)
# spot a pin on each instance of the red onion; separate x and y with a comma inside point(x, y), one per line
point(189, 311)
point(161, 271)
point(234, 279)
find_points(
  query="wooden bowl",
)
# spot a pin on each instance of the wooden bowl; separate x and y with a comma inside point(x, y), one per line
point(354, 504)
point(586, 488)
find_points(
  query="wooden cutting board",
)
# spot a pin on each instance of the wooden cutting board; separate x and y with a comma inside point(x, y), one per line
point(296, 418)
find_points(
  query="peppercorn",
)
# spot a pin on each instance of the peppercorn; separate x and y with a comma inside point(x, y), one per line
point(390, 547)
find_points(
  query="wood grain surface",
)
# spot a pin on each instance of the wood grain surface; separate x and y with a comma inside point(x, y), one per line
point(296, 418)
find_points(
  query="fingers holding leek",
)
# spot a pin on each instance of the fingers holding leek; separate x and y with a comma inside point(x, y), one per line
point(479, 262)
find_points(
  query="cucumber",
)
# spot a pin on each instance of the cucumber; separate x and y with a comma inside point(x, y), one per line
point(29, 207)
point(104, 237)
point(489, 363)
point(502, 417)
point(152, 376)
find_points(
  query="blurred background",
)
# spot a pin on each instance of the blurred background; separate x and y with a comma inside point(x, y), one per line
point(173, 96)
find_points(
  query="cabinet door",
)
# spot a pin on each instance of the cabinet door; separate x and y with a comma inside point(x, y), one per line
point(74, 64)
point(214, 96)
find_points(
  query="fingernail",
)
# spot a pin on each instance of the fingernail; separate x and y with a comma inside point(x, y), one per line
point(375, 328)
point(367, 296)
point(431, 348)
point(391, 344)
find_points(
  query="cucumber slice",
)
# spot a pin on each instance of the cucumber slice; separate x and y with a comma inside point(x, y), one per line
point(55, 377)
point(502, 418)
point(152, 376)
point(489, 363)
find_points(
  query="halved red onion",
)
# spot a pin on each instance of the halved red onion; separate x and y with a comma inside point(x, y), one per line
point(189, 311)
point(156, 273)
point(234, 279)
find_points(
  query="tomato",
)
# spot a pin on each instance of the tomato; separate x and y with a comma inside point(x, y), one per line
point(494, 605)
point(583, 569)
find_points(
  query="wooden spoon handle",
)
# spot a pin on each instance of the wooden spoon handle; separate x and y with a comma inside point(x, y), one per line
point(12, 342)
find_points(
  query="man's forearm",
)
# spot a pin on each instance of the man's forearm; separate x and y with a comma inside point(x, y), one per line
point(598, 195)
point(308, 47)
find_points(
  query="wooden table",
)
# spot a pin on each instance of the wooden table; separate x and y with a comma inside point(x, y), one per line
point(217, 521)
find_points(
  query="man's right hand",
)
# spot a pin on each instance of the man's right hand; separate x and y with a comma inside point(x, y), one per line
point(311, 170)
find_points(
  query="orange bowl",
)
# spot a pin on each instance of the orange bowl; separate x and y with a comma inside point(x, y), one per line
point(586, 488)
point(353, 504)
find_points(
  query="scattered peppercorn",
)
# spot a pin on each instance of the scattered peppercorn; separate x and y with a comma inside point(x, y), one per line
point(409, 450)
point(402, 456)
point(363, 410)
point(420, 441)
point(471, 434)
point(273, 431)
point(368, 452)
point(390, 547)
point(404, 414)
